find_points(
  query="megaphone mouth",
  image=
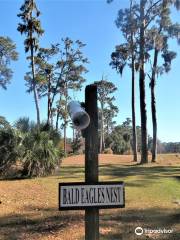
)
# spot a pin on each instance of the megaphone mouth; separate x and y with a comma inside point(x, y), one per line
point(79, 116)
point(81, 120)
point(76, 122)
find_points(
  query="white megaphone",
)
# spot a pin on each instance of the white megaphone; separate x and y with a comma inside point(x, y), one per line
point(78, 115)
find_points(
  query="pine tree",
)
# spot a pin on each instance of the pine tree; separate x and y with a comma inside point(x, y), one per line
point(126, 53)
point(8, 53)
point(70, 69)
point(146, 14)
point(105, 89)
point(158, 37)
point(76, 144)
point(31, 27)
point(46, 77)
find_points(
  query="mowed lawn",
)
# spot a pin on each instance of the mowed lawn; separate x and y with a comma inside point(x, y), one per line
point(29, 208)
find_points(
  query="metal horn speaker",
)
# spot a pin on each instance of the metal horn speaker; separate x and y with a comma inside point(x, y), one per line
point(79, 116)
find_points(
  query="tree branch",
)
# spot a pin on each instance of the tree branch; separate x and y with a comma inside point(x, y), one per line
point(136, 15)
point(146, 25)
point(149, 76)
point(149, 9)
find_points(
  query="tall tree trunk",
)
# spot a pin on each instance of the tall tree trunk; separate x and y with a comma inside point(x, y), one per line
point(107, 127)
point(34, 88)
point(65, 119)
point(102, 147)
point(33, 75)
point(153, 98)
point(58, 112)
point(57, 120)
point(103, 143)
point(51, 118)
point(153, 106)
point(144, 152)
point(133, 113)
point(49, 100)
point(73, 133)
point(133, 89)
point(65, 150)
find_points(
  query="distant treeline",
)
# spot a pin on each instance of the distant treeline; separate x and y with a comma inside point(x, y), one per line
point(169, 147)
point(120, 140)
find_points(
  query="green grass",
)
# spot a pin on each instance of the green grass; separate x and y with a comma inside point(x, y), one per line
point(160, 184)
point(152, 195)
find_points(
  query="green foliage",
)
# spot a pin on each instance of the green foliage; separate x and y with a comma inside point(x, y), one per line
point(30, 25)
point(109, 123)
point(146, 27)
point(164, 147)
point(119, 57)
point(105, 89)
point(59, 68)
point(9, 148)
point(120, 140)
point(23, 124)
point(128, 54)
point(158, 36)
point(4, 123)
point(44, 71)
point(39, 152)
point(40, 156)
point(70, 70)
point(127, 23)
point(108, 110)
point(76, 144)
point(108, 151)
point(7, 54)
point(170, 147)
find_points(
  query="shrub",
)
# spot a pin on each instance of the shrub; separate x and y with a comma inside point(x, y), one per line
point(36, 149)
point(4, 123)
point(40, 156)
point(10, 143)
point(108, 151)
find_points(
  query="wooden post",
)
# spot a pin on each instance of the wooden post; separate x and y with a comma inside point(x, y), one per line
point(91, 159)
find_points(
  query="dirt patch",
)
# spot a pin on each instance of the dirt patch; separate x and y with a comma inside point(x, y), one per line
point(103, 159)
point(162, 159)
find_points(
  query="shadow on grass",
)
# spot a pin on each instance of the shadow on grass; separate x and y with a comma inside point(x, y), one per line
point(177, 178)
point(70, 172)
point(14, 178)
point(144, 175)
point(121, 223)
point(153, 172)
point(125, 170)
point(35, 220)
point(117, 171)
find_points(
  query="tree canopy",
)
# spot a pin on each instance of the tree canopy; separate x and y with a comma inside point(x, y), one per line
point(8, 53)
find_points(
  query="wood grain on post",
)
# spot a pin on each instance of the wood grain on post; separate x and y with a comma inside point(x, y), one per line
point(91, 159)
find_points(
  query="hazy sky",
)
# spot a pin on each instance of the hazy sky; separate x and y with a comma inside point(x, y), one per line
point(92, 22)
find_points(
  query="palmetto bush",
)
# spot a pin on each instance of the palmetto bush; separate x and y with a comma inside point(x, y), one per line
point(40, 156)
point(10, 144)
point(35, 149)
point(4, 123)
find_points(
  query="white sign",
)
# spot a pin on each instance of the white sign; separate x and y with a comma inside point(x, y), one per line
point(81, 195)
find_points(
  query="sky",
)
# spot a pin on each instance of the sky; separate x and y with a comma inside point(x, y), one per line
point(92, 22)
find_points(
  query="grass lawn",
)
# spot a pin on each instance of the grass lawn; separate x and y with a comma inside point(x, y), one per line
point(29, 208)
